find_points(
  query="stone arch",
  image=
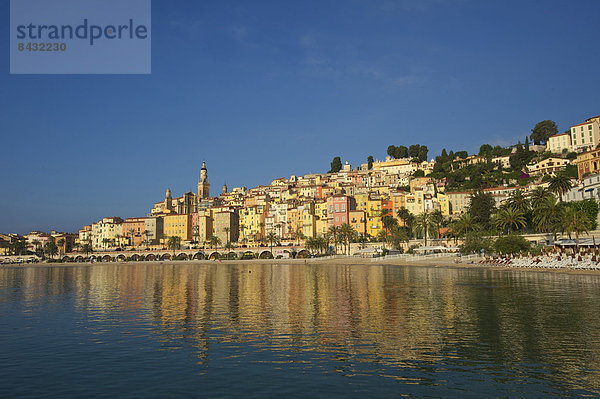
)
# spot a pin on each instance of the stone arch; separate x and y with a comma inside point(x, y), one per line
point(135, 257)
point(120, 258)
point(183, 256)
point(247, 255)
point(165, 256)
point(198, 256)
point(150, 257)
point(214, 255)
point(266, 254)
point(66, 259)
point(303, 253)
point(107, 258)
point(232, 255)
point(79, 258)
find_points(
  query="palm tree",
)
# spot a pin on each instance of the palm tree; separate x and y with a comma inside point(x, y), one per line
point(388, 222)
point(106, 242)
point(36, 245)
point(348, 233)
point(333, 231)
point(465, 224)
point(132, 235)
point(575, 220)
point(61, 245)
point(547, 215)
point(227, 230)
point(271, 238)
point(229, 248)
point(518, 201)
point(174, 242)
point(86, 249)
point(146, 235)
point(51, 249)
point(423, 224)
point(214, 241)
point(509, 217)
point(437, 221)
point(538, 197)
point(407, 218)
point(560, 184)
point(242, 232)
point(300, 235)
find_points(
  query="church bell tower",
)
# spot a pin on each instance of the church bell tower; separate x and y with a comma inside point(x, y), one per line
point(203, 185)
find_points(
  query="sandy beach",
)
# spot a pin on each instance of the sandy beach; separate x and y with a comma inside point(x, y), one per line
point(441, 262)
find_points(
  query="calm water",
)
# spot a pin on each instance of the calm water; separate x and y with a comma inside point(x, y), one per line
point(254, 330)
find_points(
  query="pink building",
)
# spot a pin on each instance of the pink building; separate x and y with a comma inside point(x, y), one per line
point(339, 207)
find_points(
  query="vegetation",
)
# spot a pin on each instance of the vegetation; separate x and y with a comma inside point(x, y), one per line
point(336, 165)
point(542, 131)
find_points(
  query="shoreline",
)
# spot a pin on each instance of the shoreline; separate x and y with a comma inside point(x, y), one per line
point(444, 263)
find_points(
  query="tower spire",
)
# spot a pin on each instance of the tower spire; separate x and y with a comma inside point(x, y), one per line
point(203, 185)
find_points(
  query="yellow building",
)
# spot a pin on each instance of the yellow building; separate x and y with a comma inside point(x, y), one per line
point(373, 215)
point(459, 201)
point(178, 226)
point(309, 225)
point(321, 218)
point(444, 202)
point(398, 202)
point(588, 163)
point(358, 221)
point(252, 223)
point(559, 142)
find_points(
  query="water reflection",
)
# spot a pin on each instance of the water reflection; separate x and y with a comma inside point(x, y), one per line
point(412, 325)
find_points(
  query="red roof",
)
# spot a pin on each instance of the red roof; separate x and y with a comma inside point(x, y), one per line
point(584, 123)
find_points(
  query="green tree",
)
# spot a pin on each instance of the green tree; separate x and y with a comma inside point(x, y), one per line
point(336, 165)
point(560, 184)
point(423, 223)
point(481, 207)
point(214, 241)
point(538, 197)
point(464, 225)
point(575, 220)
point(272, 238)
point(174, 243)
point(422, 154)
point(511, 244)
point(370, 162)
point(590, 207)
point(334, 232)
point(485, 150)
point(543, 130)
point(391, 151)
point(407, 218)
point(401, 152)
point(413, 150)
point(518, 201)
point(508, 218)
point(86, 248)
point(51, 249)
point(547, 215)
point(474, 242)
point(348, 233)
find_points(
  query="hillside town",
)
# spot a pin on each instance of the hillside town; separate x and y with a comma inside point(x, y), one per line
point(404, 197)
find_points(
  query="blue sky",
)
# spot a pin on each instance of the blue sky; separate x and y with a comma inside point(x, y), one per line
point(266, 89)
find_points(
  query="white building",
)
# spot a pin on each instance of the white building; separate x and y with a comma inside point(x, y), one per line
point(586, 136)
point(559, 142)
